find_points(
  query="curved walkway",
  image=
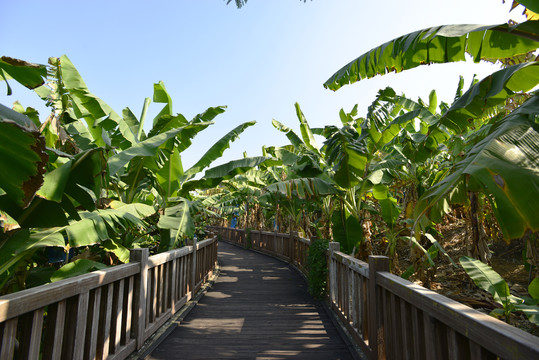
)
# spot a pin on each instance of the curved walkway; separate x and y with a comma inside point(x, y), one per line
point(258, 308)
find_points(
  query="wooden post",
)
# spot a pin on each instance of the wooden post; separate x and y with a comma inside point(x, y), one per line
point(173, 284)
point(332, 272)
point(193, 281)
point(141, 289)
point(376, 264)
point(293, 239)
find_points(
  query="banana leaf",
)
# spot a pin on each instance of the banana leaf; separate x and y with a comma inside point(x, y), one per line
point(303, 188)
point(505, 164)
point(347, 230)
point(306, 133)
point(148, 147)
point(348, 156)
point(530, 4)
point(22, 157)
point(160, 95)
point(100, 225)
point(27, 74)
point(75, 268)
point(217, 149)
point(492, 91)
point(486, 278)
point(214, 176)
point(290, 134)
point(440, 44)
point(178, 219)
point(20, 244)
point(80, 178)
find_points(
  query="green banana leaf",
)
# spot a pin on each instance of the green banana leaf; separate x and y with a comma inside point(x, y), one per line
point(80, 178)
point(183, 141)
point(506, 165)
point(217, 150)
point(487, 279)
point(290, 134)
point(440, 44)
point(286, 156)
point(148, 147)
point(347, 118)
point(170, 174)
point(76, 268)
point(178, 219)
point(160, 95)
point(99, 225)
point(98, 115)
point(22, 156)
point(306, 133)
point(27, 74)
point(21, 244)
point(40, 213)
point(168, 166)
point(533, 288)
point(492, 91)
point(347, 230)
point(533, 5)
point(129, 127)
point(214, 176)
point(115, 247)
point(348, 156)
point(303, 188)
point(390, 211)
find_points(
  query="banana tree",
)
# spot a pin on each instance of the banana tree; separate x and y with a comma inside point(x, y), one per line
point(440, 44)
point(77, 199)
point(473, 110)
point(307, 175)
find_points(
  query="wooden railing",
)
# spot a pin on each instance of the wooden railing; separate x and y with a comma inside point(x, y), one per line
point(392, 318)
point(105, 314)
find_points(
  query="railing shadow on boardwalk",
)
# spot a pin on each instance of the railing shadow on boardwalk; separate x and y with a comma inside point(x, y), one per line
point(389, 317)
point(109, 314)
point(258, 308)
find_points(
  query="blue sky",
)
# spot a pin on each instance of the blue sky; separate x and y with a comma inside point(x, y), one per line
point(258, 60)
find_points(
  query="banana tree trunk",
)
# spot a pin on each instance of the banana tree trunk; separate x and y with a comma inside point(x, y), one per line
point(477, 248)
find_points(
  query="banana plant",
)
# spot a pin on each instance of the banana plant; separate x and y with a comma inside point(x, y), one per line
point(440, 44)
point(27, 74)
point(77, 199)
point(493, 136)
point(489, 280)
point(24, 152)
point(308, 175)
point(503, 164)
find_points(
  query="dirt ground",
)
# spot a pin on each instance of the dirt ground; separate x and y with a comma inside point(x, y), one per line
point(456, 284)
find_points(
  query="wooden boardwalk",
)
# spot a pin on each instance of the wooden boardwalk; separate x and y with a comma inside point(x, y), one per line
point(258, 308)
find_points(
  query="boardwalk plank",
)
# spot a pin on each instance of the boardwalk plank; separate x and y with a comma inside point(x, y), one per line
point(259, 308)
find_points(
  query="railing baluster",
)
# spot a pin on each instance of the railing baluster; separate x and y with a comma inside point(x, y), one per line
point(55, 330)
point(105, 313)
point(140, 291)
point(93, 324)
point(128, 311)
point(116, 325)
point(9, 340)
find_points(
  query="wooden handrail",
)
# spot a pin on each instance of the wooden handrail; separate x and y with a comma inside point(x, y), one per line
point(106, 314)
point(390, 317)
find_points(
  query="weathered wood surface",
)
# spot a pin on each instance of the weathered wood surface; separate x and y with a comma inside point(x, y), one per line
point(259, 308)
point(385, 314)
point(105, 314)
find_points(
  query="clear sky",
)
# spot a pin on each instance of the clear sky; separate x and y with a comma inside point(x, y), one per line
point(258, 60)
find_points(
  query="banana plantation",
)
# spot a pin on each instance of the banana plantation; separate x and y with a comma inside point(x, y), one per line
point(431, 185)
